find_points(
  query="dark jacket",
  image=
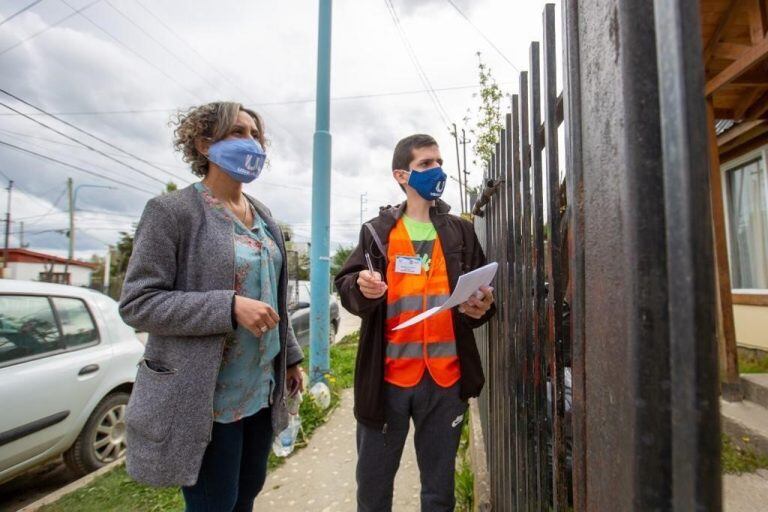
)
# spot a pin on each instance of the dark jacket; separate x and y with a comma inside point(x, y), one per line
point(462, 254)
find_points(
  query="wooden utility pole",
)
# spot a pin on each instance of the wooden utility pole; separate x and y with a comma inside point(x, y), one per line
point(464, 142)
point(107, 268)
point(7, 226)
point(458, 167)
point(71, 253)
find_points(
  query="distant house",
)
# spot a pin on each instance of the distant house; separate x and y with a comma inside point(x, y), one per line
point(29, 265)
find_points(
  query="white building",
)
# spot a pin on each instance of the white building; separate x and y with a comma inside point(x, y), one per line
point(37, 266)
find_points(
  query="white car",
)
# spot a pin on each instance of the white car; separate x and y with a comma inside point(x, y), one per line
point(67, 366)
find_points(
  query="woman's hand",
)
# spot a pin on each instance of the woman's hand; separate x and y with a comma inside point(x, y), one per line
point(371, 285)
point(478, 304)
point(294, 379)
point(256, 316)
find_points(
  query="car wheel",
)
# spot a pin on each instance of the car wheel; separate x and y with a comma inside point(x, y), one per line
point(102, 440)
point(332, 333)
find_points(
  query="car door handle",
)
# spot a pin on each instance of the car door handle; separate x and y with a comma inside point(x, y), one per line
point(91, 368)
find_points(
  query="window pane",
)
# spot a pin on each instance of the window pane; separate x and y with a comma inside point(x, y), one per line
point(27, 328)
point(76, 322)
point(748, 219)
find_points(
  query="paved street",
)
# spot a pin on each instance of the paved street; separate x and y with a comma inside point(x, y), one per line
point(349, 323)
point(321, 477)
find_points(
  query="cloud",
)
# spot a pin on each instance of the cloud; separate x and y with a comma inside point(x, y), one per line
point(249, 53)
point(422, 7)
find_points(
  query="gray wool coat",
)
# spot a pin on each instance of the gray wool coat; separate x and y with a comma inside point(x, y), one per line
point(179, 288)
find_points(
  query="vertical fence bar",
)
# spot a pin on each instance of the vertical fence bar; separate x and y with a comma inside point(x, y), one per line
point(518, 341)
point(492, 335)
point(501, 284)
point(493, 341)
point(555, 290)
point(526, 296)
point(511, 309)
point(690, 260)
point(539, 298)
point(575, 190)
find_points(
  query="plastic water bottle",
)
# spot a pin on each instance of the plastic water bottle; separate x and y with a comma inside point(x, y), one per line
point(321, 394)
point(293, 402)
point(285, 441)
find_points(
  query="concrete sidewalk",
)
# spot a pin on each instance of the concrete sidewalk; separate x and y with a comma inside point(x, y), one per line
point(321, 477)
point(746, 493)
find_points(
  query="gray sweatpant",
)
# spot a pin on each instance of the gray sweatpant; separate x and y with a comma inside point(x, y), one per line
point(437, 417)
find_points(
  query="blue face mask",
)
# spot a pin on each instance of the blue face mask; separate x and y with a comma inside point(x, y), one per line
point(242, 159)
point(429, 184)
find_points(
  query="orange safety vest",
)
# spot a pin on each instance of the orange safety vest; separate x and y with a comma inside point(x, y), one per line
point(430, 344)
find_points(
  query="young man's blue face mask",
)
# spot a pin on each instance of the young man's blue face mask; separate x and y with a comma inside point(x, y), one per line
point(242, 159)
point(429, 184)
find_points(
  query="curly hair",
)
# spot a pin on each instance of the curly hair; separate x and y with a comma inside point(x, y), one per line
point(210, 122)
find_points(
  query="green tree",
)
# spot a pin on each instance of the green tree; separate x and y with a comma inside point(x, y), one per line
point(339, 258)
point(488, 125)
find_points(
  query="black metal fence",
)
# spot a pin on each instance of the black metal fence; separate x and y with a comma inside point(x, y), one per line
point(601, 364)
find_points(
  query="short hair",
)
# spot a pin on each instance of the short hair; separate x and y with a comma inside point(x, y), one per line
point(211, 122)
point(403, 155)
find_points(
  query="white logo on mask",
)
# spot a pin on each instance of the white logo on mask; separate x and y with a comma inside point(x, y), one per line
point(251, 162)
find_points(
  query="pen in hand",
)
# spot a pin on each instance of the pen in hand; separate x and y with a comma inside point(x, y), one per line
point(371, 284)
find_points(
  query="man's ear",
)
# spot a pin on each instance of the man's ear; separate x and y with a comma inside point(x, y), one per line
point(202, 145)
point(401, 176)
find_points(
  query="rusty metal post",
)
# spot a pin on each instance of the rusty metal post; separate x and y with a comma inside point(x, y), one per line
point(576, 247)
point(555, 286)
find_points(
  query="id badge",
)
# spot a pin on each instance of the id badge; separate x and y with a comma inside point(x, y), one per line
point(408, 265)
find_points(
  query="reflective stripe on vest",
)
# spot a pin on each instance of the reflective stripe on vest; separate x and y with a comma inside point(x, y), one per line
point(429, 345)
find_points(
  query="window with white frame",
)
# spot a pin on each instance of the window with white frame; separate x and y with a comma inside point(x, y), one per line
point(747, 197)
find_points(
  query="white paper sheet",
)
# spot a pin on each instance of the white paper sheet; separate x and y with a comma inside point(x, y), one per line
point(467, 285)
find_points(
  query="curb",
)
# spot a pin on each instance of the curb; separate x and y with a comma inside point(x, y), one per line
point(478, 460)
point(72, 487)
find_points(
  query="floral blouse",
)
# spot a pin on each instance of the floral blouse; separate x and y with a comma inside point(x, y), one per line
point(246, 376)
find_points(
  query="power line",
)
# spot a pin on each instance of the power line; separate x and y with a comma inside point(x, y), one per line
point(188, 45)
point(415, 60)
point(93, 237)
point(49, 27)
point(261, 182)
point(76, 167)
point(9, 18)
point(487, 39)
point(226, 78)
point(53, 207)
point(80, 210)
point(29, 194)
point(85, 132)
point(160, 43)
point(83, 144)
point(131, 50)
point(26, 136)
point(260, 104)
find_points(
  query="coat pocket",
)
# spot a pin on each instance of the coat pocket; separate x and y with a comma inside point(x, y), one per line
point(152, 407)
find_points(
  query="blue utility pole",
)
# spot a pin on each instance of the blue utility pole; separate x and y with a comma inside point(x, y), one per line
point(320, 262)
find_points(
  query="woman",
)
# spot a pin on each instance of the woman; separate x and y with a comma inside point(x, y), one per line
point(208, 281)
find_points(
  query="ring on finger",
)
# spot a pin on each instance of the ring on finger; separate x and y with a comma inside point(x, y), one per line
point(264, 328)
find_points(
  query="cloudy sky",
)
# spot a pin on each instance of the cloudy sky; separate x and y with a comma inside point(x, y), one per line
point(118, 69)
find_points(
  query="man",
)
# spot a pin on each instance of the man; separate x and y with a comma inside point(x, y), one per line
point(425, 372)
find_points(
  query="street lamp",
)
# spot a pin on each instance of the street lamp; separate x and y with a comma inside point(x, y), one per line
point(72, 202)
